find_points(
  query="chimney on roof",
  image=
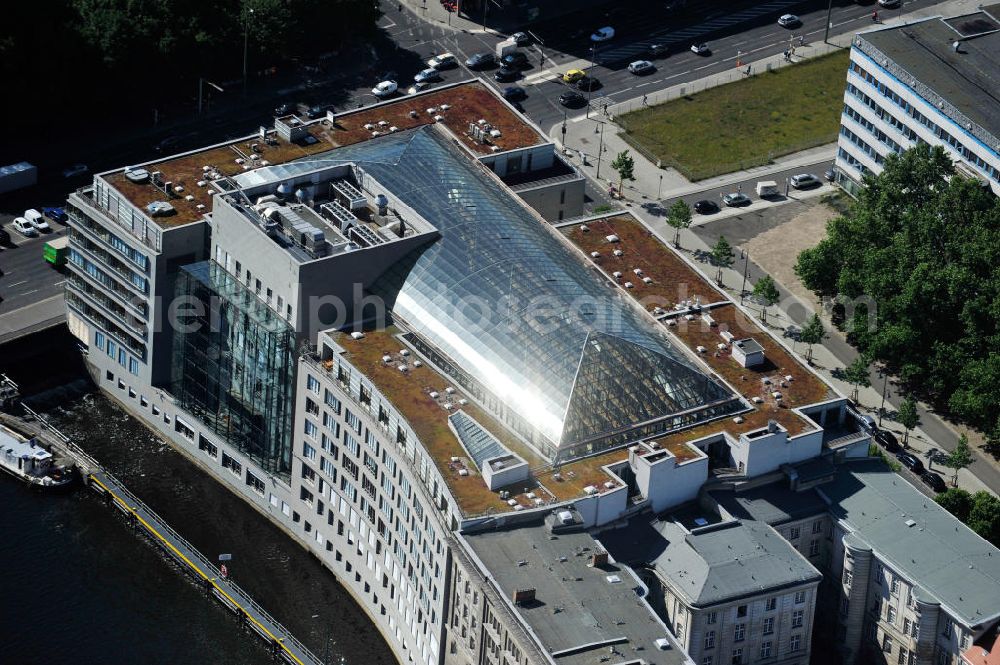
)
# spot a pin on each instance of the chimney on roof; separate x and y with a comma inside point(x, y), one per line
point(599, 559)
point(524, 596)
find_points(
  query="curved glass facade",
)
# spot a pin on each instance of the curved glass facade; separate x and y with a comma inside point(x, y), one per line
point(558, 353)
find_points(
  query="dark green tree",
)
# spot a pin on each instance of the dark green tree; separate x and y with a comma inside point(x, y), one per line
point(679, 217)
point(722, 257)
point(908, 417)
point(766, 291)
point(984, 516)
point(857, 375)
point(956, 501)
point(813, 333)
point(920, 252)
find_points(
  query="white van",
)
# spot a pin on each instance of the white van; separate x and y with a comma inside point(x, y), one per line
point(766, 188)
point(37, 220)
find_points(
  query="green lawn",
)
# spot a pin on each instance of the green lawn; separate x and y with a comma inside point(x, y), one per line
point(746, 123)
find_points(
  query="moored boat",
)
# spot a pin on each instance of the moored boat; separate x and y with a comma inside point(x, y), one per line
point(29, 461)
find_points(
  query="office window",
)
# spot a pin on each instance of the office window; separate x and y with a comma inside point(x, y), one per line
point(133, 366)
point(710, 618)
point(231, 464)
point(818, 526)
point(800, 597)
point(312, 383)
point(257, 485)
point(797, 618)
point(879, 573)
point(795, 643)
point(847, 578)
point(894, 589)
point(710, 639)
point(891, 615)
point(207, 446)
point(741, 611)
point(793, 533)
point(739, 632)
point(765, 649)
point(768, 626)
point(887, 643)
point(308, 451)
point(737, 657)
point(770, 604)
point(948, 626)
point(706, 660)
point(311, 430)
point(901, 660)
point(814, 548)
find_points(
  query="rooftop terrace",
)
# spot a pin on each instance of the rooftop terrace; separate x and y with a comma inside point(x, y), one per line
point(410, 393)
point(464, 104)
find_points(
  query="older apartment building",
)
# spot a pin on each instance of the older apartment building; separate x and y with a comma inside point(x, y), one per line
point(292, 312)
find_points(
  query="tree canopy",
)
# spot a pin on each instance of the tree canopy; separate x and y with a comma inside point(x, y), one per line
point(625, 166)
point(907, 416)
point(722, 256)
point(960, 457)
point(812, 333)
point(679, 217)
point(979, 511)
point(921, 247)
point(766, 291)
point(857, 374)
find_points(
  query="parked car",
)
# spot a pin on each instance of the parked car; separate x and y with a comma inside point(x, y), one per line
point(427, 75)
point(789, 21)
point(574, 75)
point(910, 462)
point(480, 61)
point(443, 61)
point(572, 98)
point(418, 87)
point(37, 220)
point(75, 170)
point(24, 227)
point(385, 89)
point(887, 440)
point(521, 38)
point(55, 214)
point(514, 93)
point(603, 34)
point(283, 109)
point(514, 60)
point(658, 50)
point(701, 49)
point(507, 74)
point(706, 207)
point(641, 67)
point(934, 481)
point(867, 424)
point(804, 181)
point(830, 174)
point(588, 84)
point(736, 199)
point(889, 4)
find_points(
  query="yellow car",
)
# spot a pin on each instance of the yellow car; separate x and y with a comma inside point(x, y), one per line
point(574, 75)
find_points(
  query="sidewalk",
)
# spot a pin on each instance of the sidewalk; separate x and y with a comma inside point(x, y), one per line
point(584, 136)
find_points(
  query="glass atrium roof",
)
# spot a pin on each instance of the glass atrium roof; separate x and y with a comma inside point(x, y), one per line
point(508, 302)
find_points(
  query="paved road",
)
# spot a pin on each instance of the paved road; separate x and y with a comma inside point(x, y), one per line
point(25, 277)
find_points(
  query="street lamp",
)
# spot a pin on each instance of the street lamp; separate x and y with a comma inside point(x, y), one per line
point(829, 22)
point(246, 36)
point(659, 187)
point(201, 85)
point(746, 268)
point(600, 153)
point(885, 383)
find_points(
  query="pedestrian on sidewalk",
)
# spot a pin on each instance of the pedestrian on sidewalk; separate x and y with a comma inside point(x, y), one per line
point(644, 103)
point(787, 56)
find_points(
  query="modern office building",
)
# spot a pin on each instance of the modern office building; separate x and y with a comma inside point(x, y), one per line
point(932, 82)
point(362, 327)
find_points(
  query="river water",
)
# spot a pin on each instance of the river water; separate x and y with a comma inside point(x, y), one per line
point(79, 587)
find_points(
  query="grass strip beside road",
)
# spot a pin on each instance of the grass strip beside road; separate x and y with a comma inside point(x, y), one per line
point(744, 124)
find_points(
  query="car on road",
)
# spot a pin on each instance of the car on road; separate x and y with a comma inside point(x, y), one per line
point(641, 67)
point(514, 93)
point(427, 75)
point(37, 220)
point(572, 98)
point(55, 214)
point(789, 21)
point(75, 170)
point(588, 84)
point(804, 180)
point(934, 481)
point(887, 440)
point(701, 49)
point(514, 60)
point(24, 227)
point(521, 38)
point(706, 207)
point(657, 50)
point(910, 462)
point(505, 74)
point(574, 75)
point(385, 89)
point(602, 34)
point(283, 109)
point(480, 60)
point(736, 199)
point(443, 61)
point(418, 87)
point(889, 4)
